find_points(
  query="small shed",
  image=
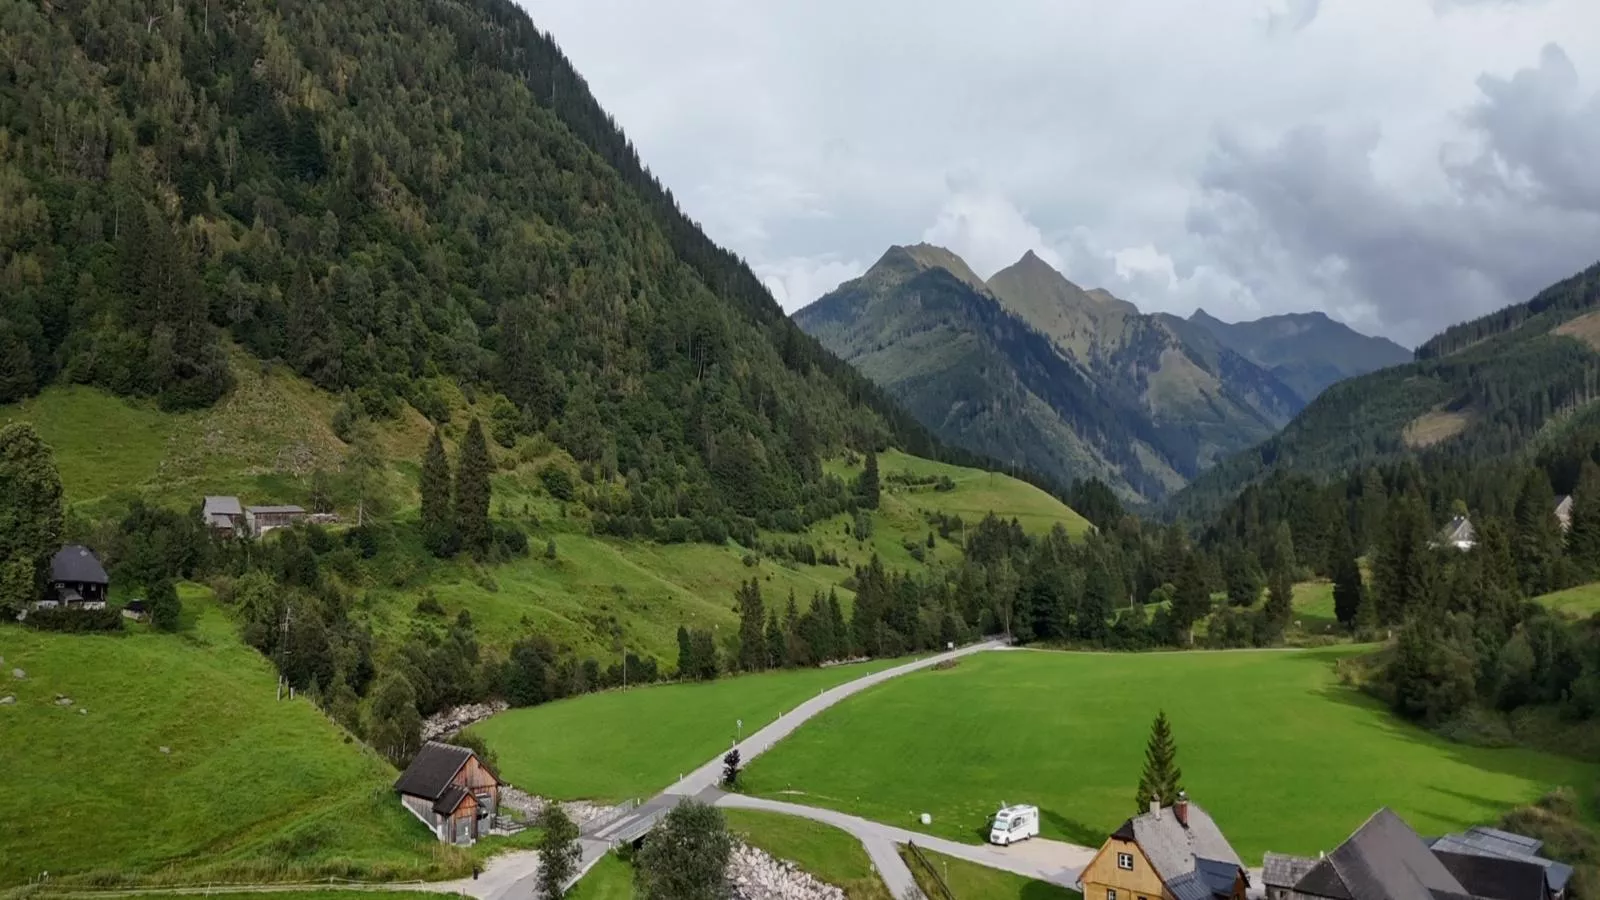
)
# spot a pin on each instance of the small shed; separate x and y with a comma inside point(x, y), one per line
point(262, 519)
point(77, 580)
point(449, 790)
point(135, 610)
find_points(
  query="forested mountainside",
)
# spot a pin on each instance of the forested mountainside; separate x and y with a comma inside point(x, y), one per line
point(1052, 376)
point(1309, 352)
point(387, 196)
point(920, 324)
point(1508, 384)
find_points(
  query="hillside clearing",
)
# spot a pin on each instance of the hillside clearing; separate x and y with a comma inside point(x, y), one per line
point(1579, 602)
point(624, 744)
point(1585, 328)
point(246, 783)
point(1434, 427)
point(1262, 737)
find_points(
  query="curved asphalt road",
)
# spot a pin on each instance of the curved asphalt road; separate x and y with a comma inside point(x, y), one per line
point(510, 876)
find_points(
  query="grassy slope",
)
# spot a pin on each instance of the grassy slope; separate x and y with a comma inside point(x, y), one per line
point(967, 879)
point(599, 596)
point(1262, 738)
point(617, 745)
point(825, 852)
point(248, 777)
point(1581, 602)
point(610, 879)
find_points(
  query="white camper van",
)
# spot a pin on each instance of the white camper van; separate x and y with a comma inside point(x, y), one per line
point(1014, 823)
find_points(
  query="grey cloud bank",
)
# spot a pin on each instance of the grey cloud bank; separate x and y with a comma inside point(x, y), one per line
point(1399, 164)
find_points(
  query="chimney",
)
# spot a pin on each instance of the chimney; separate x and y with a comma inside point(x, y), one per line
point(1155, 807)
point(1181, 808)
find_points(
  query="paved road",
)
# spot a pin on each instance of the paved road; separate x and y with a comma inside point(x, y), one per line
point(1039, 859)
point(511, 875)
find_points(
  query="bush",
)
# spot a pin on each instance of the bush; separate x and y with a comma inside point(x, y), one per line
point(558, 482)
point(509, 540)
point(75, 621)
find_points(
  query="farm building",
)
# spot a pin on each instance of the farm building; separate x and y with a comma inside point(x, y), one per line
point(224, 515)
point(449, 790)
point(262, 519)
point(135, 610)
point(1171, 853)
point(1459, 534)
point(1386, 860)
point(77, 580)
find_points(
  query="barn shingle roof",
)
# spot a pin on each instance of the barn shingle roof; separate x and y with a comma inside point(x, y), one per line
point(1193, 861)
point(432, 770)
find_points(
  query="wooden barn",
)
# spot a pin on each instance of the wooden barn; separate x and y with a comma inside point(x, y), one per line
point(449, 790)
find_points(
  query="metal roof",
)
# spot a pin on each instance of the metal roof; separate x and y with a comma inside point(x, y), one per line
point(1383, 860)
point(222, 506)
point(259, 510)
point(432, 770)
point(1176, 850)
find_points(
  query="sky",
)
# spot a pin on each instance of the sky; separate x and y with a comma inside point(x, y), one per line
point(1398, 164)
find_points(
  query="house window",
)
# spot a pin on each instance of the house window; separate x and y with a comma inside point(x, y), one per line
point(1125, 862)
point(1111, 894)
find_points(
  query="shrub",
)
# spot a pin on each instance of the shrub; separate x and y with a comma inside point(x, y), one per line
point(75, 621)
point(558, 482)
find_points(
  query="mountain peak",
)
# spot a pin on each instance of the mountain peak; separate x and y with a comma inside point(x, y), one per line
point(903, 261)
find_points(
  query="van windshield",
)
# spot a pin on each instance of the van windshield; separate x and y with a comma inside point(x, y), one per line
point(1001, 824)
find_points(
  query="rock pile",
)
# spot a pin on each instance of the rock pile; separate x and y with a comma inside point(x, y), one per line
point(755, 875)
point(450, 721)
point(7, 700)
point(527, 807)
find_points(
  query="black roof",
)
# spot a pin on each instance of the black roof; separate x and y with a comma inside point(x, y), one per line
point(1495, 878)
point(450, 799)
point(77, 564)
point(1124, 832)
point(430, 773)
point(1383, 860)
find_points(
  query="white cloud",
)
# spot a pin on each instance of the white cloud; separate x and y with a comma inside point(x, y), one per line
point(1279, 154)
point(796, 281)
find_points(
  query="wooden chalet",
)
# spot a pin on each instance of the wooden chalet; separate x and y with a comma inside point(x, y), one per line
point(449, 790)
point(262, 519)
point(77, 580)
point(223, 515)
point(1169, 853)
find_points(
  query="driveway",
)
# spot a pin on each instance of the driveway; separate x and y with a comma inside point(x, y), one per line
point(1039, 859)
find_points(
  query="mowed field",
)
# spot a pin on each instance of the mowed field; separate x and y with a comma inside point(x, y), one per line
point(1263, 737)
point(623, 744)
point(246, 784)
point(1579, 602)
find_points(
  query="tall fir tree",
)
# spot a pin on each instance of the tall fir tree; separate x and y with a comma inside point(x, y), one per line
point(1346, 570)
point(1402, 573)
point(1280, 606)
point(752, 626)
point(1162, 779)
point(1536, 545)
point(1583, 536)
point(868, 486)
point(473, 491)
point(438, 513)
point(1192, 600)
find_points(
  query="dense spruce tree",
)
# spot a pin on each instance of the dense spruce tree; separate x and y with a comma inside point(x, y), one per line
point(868, 488)
point(559, 851)
point(438, 513)
point(1161, 779)
point(1583, 537)
point(166, 610)
point(752, 624)
point(1243, 576)
point(473, 492)
point(686, 661)
point(1275, 616)
point(1536, 544)
point(1348, 589)
point(31, 515)
point(1191, 602)
point(686, 857)
point(776, 645)
point(1402, 570)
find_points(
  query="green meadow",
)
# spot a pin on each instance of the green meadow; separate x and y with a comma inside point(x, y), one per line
point(1263, 737)
point(622, 744)
point(173, 755)
point(823, 851)
point(966, 879)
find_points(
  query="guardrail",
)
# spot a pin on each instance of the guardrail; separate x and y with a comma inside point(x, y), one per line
point(938, 881)
point(618, 812)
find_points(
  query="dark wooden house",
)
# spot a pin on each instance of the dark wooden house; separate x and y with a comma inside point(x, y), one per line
point(77, 580)
point(449, 790)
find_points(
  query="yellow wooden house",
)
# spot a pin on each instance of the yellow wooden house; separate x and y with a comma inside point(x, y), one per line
point(1175, 852)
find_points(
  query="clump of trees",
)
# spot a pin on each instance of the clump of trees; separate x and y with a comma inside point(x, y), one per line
point(686, 856)
point(31, 516)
